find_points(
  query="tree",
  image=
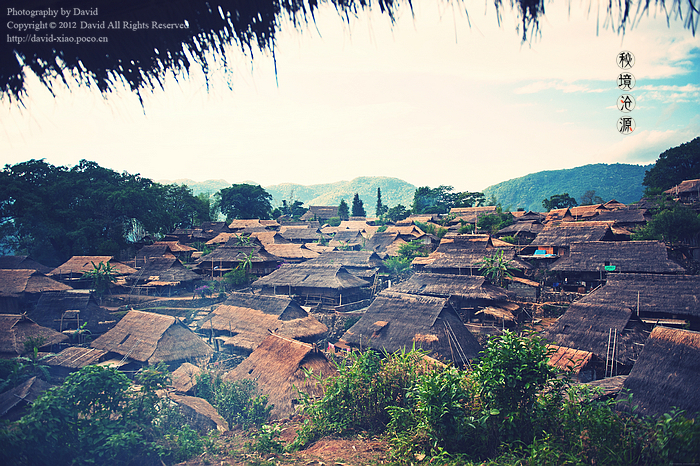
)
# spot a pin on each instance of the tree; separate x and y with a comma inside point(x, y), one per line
point(398, 212)
point(671, 225)
point(496, 268)
point(428, 200)
point(381, 209)
point(358, 209)
point(343, 211)
point(673, 166)
point(590, 198)
point(294, 210)
point(491, 223)
point(245, 201)
point(469, 199)
point(102, 276)
point(559, 201)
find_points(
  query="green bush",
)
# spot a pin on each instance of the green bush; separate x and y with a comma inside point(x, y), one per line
point(239, 402)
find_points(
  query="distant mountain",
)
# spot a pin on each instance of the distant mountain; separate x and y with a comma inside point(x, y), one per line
point(619, 181)
point(394, 191)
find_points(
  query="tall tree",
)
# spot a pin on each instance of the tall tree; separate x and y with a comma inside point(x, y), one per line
point(559, 201)
point(398, 212)
point(673, 166)
point(590, 198)
point(343, 210)
point(245, 201)
point(381, 209)
point(358, 209)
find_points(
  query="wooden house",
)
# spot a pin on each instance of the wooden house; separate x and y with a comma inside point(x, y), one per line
point(665, 299)
point(279, 367)
point(291, 253)
point(15, 402)
point(462, 254)
point(327, 285)
point(71, 272)
point(400, 321)
point(207, 231)
point(149, 338)
point(526, 226)
point(244, 320)
point(420, 218)
point(589, 264)
point(627, 218)
point(557, 238)
point(163, 275)
point(16, 329)
point(20, 289)
point(612, 332)
point(687, 192)
point(70, 310)
point(229, 256)
point(666, 375)
point(587, 212)
point(320, 213)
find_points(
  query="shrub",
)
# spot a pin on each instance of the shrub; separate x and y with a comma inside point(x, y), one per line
point(238, 402)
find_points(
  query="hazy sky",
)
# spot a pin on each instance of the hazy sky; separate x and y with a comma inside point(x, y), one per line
point(430, 100)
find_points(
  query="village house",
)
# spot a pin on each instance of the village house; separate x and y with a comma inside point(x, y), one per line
point(15, 330)
point(235, 253)
point(666, 375)
point(326, 285)
point(244, 320)
point(589, 264)
point(303, 234)
point(70, 310)
point(73, 270)
point(279, 366)
point(400, 321)
point(362, 264)
point(20, 289)
point(526, 226)
point(164, 275)
point(348, 240)
point(556, 238)
point(582, 365)
point(320, 213)
point(145, 338)
point(385, 244)
point(23, 262)
point(73, 359)
point(687, 192)
point(15, 402)
point(470, 215)
point(612, 332)
point(163, 248)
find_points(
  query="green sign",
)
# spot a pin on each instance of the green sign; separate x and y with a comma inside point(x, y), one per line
point(610, 268)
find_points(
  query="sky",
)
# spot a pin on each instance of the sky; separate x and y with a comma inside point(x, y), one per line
point(441, 97)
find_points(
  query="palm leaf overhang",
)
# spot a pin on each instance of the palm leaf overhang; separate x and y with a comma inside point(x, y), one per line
point(141, 59)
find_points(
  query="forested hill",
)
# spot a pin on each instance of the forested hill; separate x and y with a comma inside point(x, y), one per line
point(619, 181)
point(394, 191)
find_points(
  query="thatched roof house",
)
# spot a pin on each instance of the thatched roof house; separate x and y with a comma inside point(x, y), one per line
point(656, 298)
point(291, 252)
point(16, 329)
point(382, 243)
point(71, 309)
point(348, 239)
point(584, 365)
point(470, 214)
point(557, 238)
point(600, 257)
point(362, 264)
point(244, 320)
point(592, 327)
point(278, 366)
point(15, 402)
point(558, 215)
point(524, 230)
point(330, 285)
point(666, 375)
point(20, 288)
point(163, 248)
point(630, 218)
point(184, 378)
point(461, 254)
point(149, 338)
point(23, 262)
point(445, 285)
point(250, 225)
point(73, 269)
point(688, 191)
point(228, 256)
point(163, 271)
point(396, 321)
point(320, 213)
point(72, 359)
point(302, 234)
point(199, 413)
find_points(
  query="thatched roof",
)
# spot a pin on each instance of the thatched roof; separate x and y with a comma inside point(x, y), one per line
point(568, 359)
point(445, 285)
point(301, 234)
point(557, 215)
point(466, 251)
point(654, 294)
point(23, 262)
point(163, 269)
point(565, 233)
point(247, 319)
point(420, 218)
point(318, 248)
point(163, 248)
point(199, 413)
point(586, 212)
point(626, 256)
point(385, 243)
point(666, 374)
point(269, 237)
point(347, 238)
point(686, 186)
point(471, 214)
point(530, 227)
point(529, 216)
point(627, 216)
point(16, 282)
point(149, 338)
point(78, 265)
point(311, 276)
point(234, 251)
point(52, 306)
point(252, 224)
point(16, 329)
point(350, 259)
point(397, 321)
point(321, 212)
point(406, 230)
point(75, 357)
point(291, 251)
point(278, 365)
point(184, 378)
point(23, 394)
point(587, 327)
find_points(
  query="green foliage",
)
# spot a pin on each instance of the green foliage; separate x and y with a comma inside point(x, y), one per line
point(380, 208)
point(358, 209)
point(55, 212)
point(491, 223)
point(236, 277)
point(673, 166)
point(610, 181)
point(412, 249)
point(496, 268)
point(590, 198)
point(266, 440)
point(343, 210)
point(94, 417)
point(397, 265)
point(432, 229)
point(245, 201)
point(334, 221)
point(238, 402)
point(398, 212)
point(102, 276)
point(465, 228)
point(294, 210)
point(440, 200)
point(559, 201)
point(671, 225)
